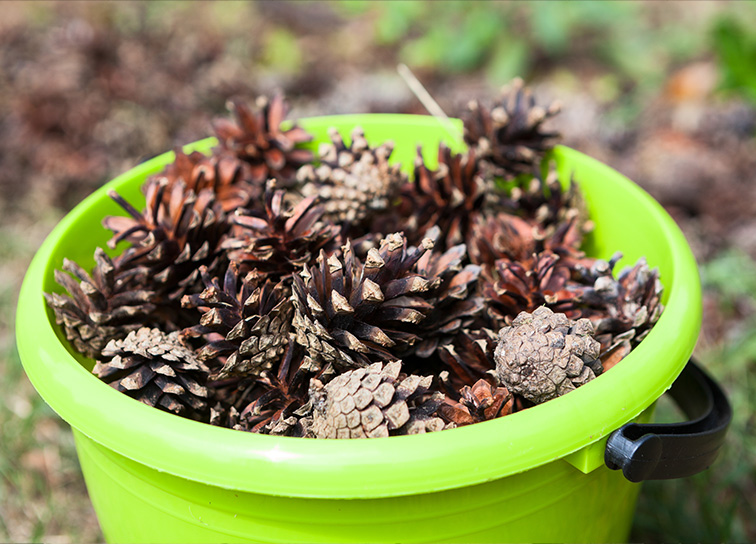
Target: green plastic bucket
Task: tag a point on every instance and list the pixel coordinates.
(537, 475)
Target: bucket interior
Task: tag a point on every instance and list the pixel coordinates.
(627, 220)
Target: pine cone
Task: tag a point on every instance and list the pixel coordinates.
(352, 182)
(277, 402)
(481, 402)
(559, 216)
(510, 137)
(283, 240)
(370, 402)
(544, 355)
(157, 369)
(221, 172)
(622, 309)
(468, 358)
(245, 322)
(516, 286)
(175, 235)
(449, 197)
(106, 305)
(351, 314)
(501, 236)
(451, 295)
(257, 139)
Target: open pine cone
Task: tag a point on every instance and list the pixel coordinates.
(452, 295)
(279, 240)
(175, 235)
(223, 173)
(449, 197)
(509, 137)
(481, 402)
(258, 139)
(623, 309)
(245, 323)
(157, 369)
(467, 359)
(277, 402)
(516, 286)
(103, 306)
(351, 314)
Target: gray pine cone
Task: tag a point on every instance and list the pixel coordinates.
(544, 355)
(373, 401)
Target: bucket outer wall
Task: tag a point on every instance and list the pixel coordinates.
(480, 478)
(551, 503)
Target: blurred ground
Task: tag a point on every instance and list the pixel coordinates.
(663, 92)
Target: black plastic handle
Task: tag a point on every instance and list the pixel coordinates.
(674, 450)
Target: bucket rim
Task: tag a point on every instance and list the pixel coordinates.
(371, 468)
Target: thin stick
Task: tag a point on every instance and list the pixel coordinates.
(427, 100)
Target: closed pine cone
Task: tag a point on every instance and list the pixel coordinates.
(544, 355)
(370, 402)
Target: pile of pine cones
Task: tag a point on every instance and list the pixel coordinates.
(271, 291)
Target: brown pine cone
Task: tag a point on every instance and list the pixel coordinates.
(537, 215)
(559, 214)
(279, 240)
(510, 136)
(468, 358)
(277, 402)
(515, 286)
(544, 355)
(452, 297)
(350, 314)
(623, 308)
(500, 236)
(106, 305)
(481, 402)
(245, 323)
(353, 182)
(157, 369)
(222, 172)
(449, 197)
(175, 235)
(258, 139)
(371, 402)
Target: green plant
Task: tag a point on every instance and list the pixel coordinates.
(504, 39)
(735, 46)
